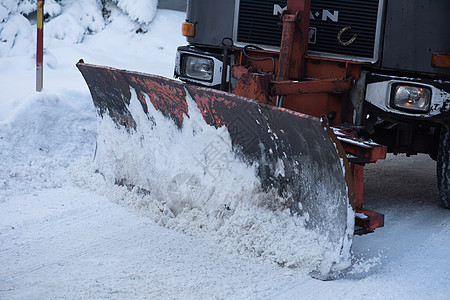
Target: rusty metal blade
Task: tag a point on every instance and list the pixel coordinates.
(312, 177)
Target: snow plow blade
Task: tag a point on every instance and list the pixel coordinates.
(293, 153)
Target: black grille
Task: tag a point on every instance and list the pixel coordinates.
(258, 25)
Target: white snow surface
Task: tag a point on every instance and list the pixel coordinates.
(206, 191)
(66, 232)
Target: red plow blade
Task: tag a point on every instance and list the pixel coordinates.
(291, 153)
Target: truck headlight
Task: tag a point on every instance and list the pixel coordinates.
(411, 98)
(196, 67)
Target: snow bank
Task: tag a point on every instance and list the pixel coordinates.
(192, 181)
(41, 136)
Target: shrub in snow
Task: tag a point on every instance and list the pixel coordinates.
(15, 30)
(77, 19)
(140, 11)
(6, 8)
(26, 6)
(52, 8)
(67, 19)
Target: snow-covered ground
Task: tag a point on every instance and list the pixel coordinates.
(65, 233)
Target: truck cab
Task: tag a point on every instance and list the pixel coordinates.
(396, 55)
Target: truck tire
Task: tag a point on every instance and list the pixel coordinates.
(443, 166)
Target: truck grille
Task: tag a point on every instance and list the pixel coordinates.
(257, 24)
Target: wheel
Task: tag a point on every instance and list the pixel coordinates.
(443, 166)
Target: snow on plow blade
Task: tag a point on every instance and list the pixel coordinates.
(292, 155)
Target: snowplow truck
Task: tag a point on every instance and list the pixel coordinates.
(379, 69)
(303, 94)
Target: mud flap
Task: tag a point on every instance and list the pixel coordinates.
(293, 153)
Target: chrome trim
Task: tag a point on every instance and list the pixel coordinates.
(236, 22)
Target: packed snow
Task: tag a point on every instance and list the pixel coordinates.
(190, 180)
(66, 232)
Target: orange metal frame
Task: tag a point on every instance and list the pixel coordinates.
(312, 85)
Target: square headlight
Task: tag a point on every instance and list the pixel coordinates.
(197, 67)
(411, 98)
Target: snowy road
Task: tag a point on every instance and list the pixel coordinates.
(83, 246)
(71, 243)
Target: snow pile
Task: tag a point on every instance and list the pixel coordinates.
(44, 134)
(210, 194)
(206, 191)
(70, 20)
(40, 136)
